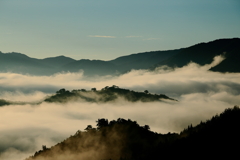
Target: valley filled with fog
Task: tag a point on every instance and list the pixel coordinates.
(119, 80)
(201, 94)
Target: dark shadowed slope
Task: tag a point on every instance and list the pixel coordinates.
(215, 138)
(204, 53)
(232, 61)
(127, 140)
(142, 60)
(58, 61)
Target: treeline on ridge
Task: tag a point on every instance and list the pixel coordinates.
(123, 139)
(106, 94)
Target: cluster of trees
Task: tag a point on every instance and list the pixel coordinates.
(103, 123)
(106, 94)
(4, 102)
(127, 140)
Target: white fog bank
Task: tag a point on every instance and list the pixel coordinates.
(201, 94)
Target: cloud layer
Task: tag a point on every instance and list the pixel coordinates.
(173, 82)
(25, 128)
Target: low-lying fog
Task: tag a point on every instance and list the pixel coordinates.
(25, 128)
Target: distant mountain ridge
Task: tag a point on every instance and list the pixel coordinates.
(202, 53)
(58, 61)
(143, 60)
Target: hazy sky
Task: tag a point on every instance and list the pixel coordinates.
(106, 29)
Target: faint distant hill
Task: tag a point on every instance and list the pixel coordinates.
(20, 63)
(123, 139)
(57, 62)
(202, 53)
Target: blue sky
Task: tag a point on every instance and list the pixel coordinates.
(107, 29)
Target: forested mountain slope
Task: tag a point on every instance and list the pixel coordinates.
(127, 140)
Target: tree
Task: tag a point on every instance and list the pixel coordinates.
(61, 91)
(74, 91)
(105, 88)
(102, 123)
(89, 127)
(114, 86)
(44, 147)
(146, 91)
(146, 127)
(94, 89)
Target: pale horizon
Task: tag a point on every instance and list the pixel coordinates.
(109, 29)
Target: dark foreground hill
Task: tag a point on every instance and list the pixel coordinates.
(202, 53)
(123, 139)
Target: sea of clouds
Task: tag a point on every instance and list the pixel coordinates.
(201, 94)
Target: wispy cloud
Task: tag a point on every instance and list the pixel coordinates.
(101, 36)
(133, 36)
(150, 39)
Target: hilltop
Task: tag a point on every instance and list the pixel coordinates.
(105, 95)
(127, 140)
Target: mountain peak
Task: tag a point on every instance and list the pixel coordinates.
(17, 54)
(201, 53)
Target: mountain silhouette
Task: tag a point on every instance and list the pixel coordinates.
(57, 62)
(123, 139)
(142, 60)
(202, 53)
(105, 95)
(19, 63)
